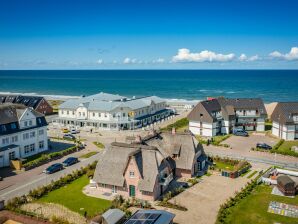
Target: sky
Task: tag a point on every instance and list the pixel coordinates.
(148, 34)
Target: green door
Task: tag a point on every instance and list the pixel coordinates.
(132, 191)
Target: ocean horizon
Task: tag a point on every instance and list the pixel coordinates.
(270, 85)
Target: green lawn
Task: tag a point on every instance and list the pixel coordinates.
(253, 209)
(224, 166)
(285, 148)
(89, 154)
(71, 196)
(99, 145)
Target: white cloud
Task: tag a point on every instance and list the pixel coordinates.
(184, 55)
(99, 61)
(243, 57)
(292, 55)
(160, 60)
(129, 61)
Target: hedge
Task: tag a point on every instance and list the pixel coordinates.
(45, 158)
(14, 203)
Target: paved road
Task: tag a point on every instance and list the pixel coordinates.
(256, 157)
(43, 179)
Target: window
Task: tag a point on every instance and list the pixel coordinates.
(106, 115)
(93, 114)
(26, 136)
(13, 126)
(5, 141)
(25, 123)
(32, 147)
(131, 174)
(67, 112)
(103, 185)
(114, 189)
(79, 113)
(123, 114)
(73, 113)
(14, 138)
(32, 134)
(2, 128)
(26, 149)
(41, 144)
(40, 132)
(30, 123)
(99, 114)
(12, 155)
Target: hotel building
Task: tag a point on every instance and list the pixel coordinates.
(112, 112)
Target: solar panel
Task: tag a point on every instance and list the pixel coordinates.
(143, 218)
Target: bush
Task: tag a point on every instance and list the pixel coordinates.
(37, 193)
(44, 158)
(178, 124)
(224, 210)
(59, 220)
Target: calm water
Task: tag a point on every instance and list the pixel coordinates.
(271, 85)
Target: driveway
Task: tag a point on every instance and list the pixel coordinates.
(241, 149)
(246, 143)
(204, 199)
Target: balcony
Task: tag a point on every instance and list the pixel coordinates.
(166, 179)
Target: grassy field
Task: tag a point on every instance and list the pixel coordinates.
(71, 196)
(285, 148)
(180, 125)
(224, 166)
(253, 209)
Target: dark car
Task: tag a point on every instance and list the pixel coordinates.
(263, 146)
(69, 136)
(53, 168)
(240, 132)
(70, 161)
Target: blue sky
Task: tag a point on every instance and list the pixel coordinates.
(170, 34)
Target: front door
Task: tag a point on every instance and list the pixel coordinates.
(132, 191)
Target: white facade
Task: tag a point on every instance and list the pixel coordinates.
(101, 113)
(248, 120)
(28, 140)
(286, 132)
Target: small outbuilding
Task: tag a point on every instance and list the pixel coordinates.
(112, 216)
(286, 185)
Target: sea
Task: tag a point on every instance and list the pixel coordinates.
(271, 85)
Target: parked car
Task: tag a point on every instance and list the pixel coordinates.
(263, 146)
(53, 168)
(70, 161)
(240, 132)
(69, 136)
(74, 131)
(65, 130)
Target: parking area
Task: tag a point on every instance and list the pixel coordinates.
(246, 143)
(204, 199)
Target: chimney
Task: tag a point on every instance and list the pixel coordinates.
(173, 131)
(138, 139)
(152, 132)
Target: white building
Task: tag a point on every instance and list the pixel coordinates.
(112, 112)
(23, 132)
(219, 116)
(285, 120)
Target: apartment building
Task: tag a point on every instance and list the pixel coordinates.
(285, 120)
(219, 116)
(23, 132)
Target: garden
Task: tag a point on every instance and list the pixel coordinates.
(64, 196)
(253, 208)
(282, 147)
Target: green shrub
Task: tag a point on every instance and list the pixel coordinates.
(178, 124)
